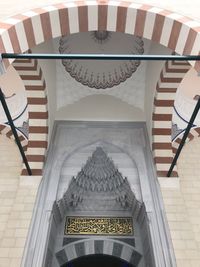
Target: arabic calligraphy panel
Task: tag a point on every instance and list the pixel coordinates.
(99, 226)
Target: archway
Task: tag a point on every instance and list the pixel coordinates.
(108, 248)
(22, 32)
(47, 236)
(98, 261)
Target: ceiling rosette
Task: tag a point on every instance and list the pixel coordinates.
(104, 73)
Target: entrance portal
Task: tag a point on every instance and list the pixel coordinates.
(98, 261)
(99, 197)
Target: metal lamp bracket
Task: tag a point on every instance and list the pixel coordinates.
(2, 67)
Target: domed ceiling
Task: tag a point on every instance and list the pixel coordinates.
(104, 73)
(124, 80)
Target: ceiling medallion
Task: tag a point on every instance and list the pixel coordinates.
(101, 36)
(101, 74)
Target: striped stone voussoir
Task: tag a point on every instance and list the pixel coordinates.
(6, 130)
(170, 78)
(32, 77)
(24, 31)
(98, 246)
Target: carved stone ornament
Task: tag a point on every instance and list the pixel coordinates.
(101, 74)
(99, 186)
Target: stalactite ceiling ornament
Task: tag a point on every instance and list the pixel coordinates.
(99, 186)
(101, 74)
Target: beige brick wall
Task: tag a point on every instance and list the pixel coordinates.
(183, 207)
(16, 205)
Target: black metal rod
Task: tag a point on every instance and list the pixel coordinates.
(190, 124)
(7, 112)
(101, 56)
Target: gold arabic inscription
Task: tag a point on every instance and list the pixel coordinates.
(99, 226)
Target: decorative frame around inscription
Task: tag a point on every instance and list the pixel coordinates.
(99, 226)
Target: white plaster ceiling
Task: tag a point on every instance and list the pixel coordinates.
(132, 91)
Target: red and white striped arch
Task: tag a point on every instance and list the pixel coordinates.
(34, 83)
(171, 76)
(22, 32)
